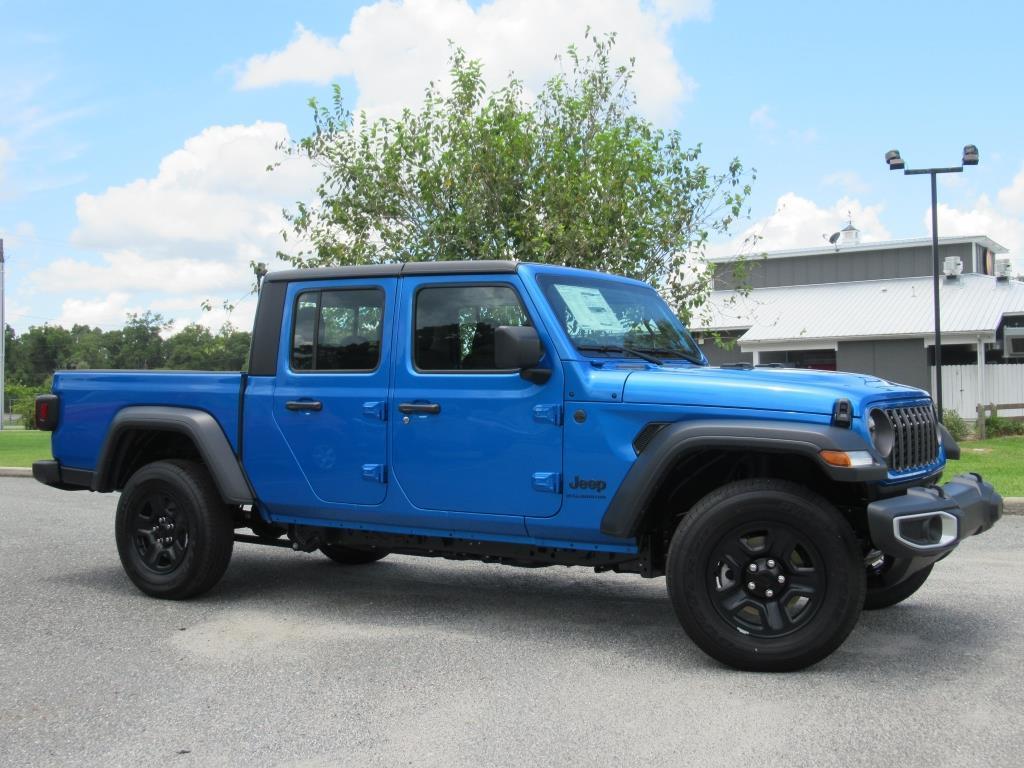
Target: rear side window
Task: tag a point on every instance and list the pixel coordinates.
(338, 330)
(455, 325)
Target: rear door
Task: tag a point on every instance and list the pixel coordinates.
(331, 396)
(467, 436)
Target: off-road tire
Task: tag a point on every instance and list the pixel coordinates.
(200, 542)
(879, 596)
(351, 555)
(714, 546)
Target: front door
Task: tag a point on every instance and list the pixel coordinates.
(331, 396)
(468, 437)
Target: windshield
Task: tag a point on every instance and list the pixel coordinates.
(605, 318)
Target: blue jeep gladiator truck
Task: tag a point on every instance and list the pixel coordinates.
(530, 415)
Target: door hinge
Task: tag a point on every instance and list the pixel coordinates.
(376, 409)
(547, 482)
(549, 413)
(377, 473)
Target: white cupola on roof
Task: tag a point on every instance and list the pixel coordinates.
(849, 235)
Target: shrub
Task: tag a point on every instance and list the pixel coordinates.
(1000, 426)
(957, 426)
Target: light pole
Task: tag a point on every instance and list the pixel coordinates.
(970, 157)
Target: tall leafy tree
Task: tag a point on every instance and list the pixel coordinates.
(575, 176)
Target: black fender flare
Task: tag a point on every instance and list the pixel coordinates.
(199, 426)
(627, 508)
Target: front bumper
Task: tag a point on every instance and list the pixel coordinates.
(929, 522)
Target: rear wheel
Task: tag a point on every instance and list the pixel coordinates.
(765, 575)
(352, 555)
(174, 533)
(882, 595)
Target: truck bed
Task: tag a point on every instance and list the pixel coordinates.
(90, 399)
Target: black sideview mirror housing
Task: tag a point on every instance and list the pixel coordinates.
(518, 347)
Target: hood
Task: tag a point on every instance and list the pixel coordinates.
(776, 389)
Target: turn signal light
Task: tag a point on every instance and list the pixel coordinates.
(847, 458)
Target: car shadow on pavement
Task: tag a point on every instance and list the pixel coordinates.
(621, 614)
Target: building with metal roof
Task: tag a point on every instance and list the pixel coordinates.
(867, 307)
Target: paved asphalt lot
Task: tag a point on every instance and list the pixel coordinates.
(294, 660)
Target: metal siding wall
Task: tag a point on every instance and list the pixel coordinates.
(842, 267)
(1004, 383)
(900, 360)
(857, 356)
(718, 356)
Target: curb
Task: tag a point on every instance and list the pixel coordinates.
(15, 472)
(1013, 505)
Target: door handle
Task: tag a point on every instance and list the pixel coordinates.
(304, 405)
(419, 407)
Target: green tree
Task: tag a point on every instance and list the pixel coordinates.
(38, 352)
(189, 348)
(140, 344)
(574, 177)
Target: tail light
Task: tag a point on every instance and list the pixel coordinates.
(47, 410)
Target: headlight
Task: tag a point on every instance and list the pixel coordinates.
(881, 432)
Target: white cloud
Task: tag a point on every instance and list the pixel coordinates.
(188, 233)
(760, 118)
(393, 48)
(106, 312)
(801, 223)
(214, 192)
(1012, 197)
(1002, 220)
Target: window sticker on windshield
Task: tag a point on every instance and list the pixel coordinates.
(590, 308)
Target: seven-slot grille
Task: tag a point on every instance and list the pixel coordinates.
(915, 441)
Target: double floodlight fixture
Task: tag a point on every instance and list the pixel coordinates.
(895, 162)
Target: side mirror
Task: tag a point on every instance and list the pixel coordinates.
(516, 347)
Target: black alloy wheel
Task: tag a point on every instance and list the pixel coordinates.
(765, 575)
(160, 530)
(766, 579)
(174, 532)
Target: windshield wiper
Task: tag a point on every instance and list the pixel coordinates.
(668, 351)
(618, 348)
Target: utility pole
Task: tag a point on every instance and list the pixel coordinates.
(3, 337)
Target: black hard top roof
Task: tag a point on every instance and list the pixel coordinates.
(394, 270)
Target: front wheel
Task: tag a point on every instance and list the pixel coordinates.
(765, 575)
(174, 533)
(881, 594)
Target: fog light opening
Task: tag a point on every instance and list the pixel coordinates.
(930, 530)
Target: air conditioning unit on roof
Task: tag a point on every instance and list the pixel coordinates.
(952, 267)
(1013, 342)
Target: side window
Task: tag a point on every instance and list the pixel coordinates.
(338, 330)
(455, 325)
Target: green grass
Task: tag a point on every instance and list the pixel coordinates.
(19, 448)
(999, 460)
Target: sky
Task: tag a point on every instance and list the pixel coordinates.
(134, 137)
